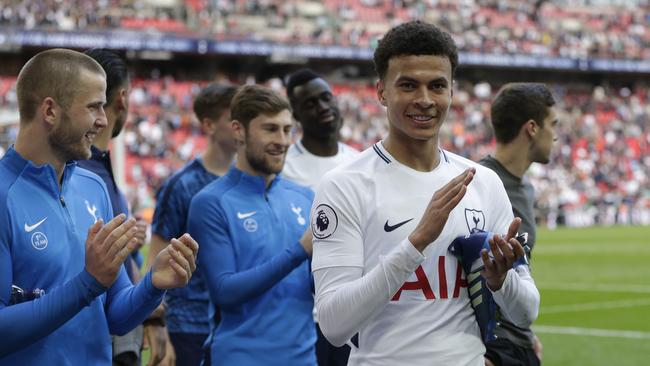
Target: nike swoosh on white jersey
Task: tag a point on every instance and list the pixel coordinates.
(245, 215)
(29, 228)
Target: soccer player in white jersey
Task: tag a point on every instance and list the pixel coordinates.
(383, 222)
(316, 109)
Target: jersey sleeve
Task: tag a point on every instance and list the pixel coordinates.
(346, 297)
(336, 225)
(25, 323)
(127, 305)
(227, 285)
(518, 298)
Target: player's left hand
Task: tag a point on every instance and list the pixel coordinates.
(505, 252)
(174, 265)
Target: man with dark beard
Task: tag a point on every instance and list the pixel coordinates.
(254, 260)
(63, 288)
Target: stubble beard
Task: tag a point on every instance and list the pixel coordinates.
(65, 144)
(259, 163)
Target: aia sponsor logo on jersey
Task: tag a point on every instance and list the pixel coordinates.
(423, 284)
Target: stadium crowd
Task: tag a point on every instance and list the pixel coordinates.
(552, 28)
(599, 174)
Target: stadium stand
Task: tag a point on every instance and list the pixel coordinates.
(573, 29)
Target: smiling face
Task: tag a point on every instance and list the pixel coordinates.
(266, 141)
(316, 108)
(72, 136)
(417, 92)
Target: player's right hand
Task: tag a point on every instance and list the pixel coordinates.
(437, 212)
(107, 246)
(306, 241)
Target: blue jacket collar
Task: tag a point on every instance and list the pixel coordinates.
(43, 175)
(255, 183)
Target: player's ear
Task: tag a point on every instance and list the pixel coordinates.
(239, 130)
(380, 92)
(208, 125)
(531, 127)
(50, 110)
(123, 99)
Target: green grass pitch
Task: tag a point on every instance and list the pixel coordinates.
(595, 288)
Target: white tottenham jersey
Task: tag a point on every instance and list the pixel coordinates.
(362, 215)
(307, 169)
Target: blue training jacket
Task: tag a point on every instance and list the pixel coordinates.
(257, 272)
(43, 230)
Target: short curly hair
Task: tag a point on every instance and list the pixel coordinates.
(414, 38)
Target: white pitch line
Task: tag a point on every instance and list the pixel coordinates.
(609, 333)
(594, 306)
(640, 289)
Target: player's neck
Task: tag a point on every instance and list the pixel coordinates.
(420, 155)
(511, 157)
(243, 165)
(321, 147)
(216, 159)
(33, 146)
